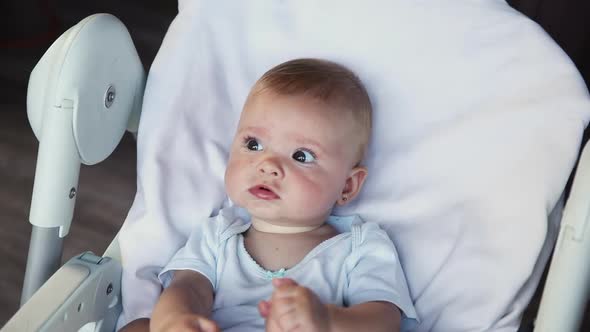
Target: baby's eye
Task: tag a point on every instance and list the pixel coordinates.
(252, 144)
(303, 156)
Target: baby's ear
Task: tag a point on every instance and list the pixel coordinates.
(353, 185)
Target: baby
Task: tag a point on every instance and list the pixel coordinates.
(278, 260)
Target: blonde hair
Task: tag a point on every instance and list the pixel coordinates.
(325, 81)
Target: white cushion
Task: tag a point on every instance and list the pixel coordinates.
(477, 125)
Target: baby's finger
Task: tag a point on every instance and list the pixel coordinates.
(295, 292)
(272, 326)
(207, 325)
(264, 308)
(288, 322)
(280, 282)
(286, 289)
(281, 307)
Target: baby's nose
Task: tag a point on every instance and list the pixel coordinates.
(271, 167)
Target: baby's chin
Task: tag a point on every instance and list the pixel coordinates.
(263, 210)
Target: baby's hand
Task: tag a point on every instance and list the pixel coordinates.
(293, 308)
(184, 322)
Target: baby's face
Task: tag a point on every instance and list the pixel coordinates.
(290, 159)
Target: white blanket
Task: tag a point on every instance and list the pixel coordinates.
(478, 120)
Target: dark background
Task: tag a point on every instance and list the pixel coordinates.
(106, 190)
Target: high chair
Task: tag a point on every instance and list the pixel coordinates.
(83, 95)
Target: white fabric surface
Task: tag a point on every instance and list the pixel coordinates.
(478, 121)
(358, 265)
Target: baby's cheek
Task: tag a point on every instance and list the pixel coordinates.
(316, 193)
(232, 176)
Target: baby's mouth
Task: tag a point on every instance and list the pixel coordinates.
(263, 192)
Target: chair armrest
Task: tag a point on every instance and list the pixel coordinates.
(566, 290)
(85, 290)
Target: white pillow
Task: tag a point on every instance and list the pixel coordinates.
(478, 120)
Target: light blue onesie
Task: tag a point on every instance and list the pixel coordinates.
(358, 265)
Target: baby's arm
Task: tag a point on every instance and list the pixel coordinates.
(296, 307)
(185, 304)
(368, 316)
